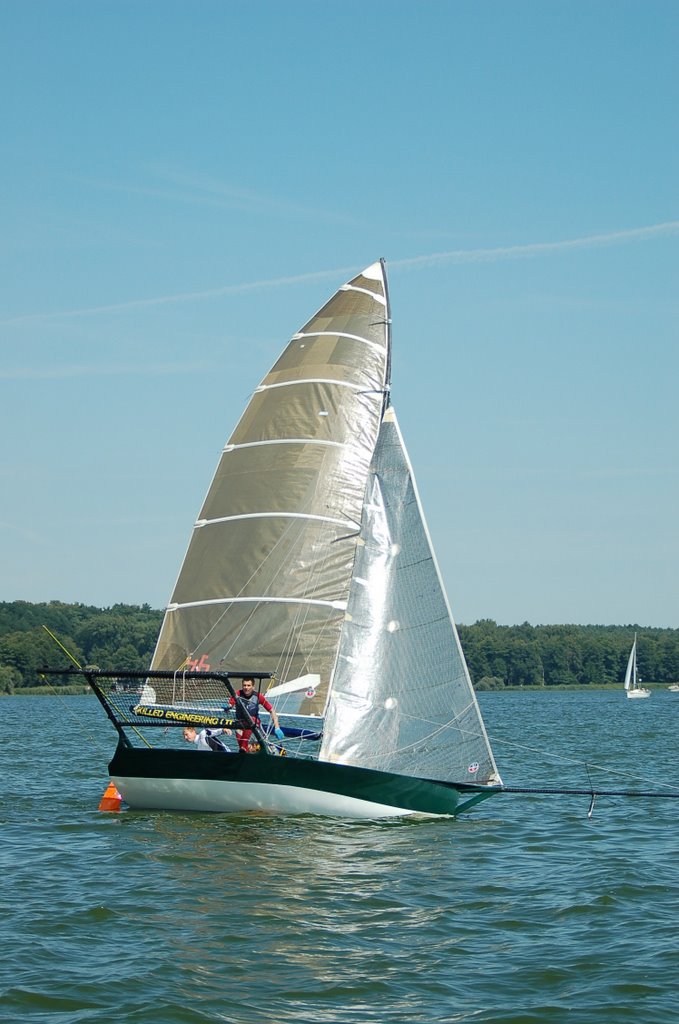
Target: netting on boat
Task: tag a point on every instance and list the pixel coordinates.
(154, 709)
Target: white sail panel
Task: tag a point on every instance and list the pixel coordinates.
(401, 698)
(266, 576)
(631, 671)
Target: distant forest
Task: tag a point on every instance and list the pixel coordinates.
(124, 636)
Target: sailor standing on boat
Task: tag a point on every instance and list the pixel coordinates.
(248, 699)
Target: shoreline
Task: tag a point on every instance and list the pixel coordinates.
(84, 691)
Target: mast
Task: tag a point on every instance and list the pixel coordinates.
(387, 382)
(634, 664)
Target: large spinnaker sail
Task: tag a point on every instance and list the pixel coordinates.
(401, 698)
(265, 579)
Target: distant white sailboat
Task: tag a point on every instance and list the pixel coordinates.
(674, 687)
(632, 681)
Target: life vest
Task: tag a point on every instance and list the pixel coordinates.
(251, 705)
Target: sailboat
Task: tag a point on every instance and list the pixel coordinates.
(632, 681)
(310, 569)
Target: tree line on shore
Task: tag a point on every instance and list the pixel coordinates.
(568, 655)
(124, 636)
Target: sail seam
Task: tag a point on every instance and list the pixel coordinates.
(284, 440)
(364, 291)
(336, 605)
(310, 380)
(271, 515)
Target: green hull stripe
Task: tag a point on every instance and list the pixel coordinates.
(411, 794)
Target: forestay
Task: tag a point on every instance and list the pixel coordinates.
(265, 579)
(401, 697)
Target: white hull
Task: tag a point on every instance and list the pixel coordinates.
(233, 797)
(638, 693)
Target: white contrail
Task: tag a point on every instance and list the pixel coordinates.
(162, 300)
(670, 227)
(21, 531)
(122, 369)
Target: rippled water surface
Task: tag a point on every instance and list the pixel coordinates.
(525, 910)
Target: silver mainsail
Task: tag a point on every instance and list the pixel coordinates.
(401, 697)
(266, 576)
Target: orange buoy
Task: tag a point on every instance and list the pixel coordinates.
(111, 800)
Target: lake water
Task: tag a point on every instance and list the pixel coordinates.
(524, 911)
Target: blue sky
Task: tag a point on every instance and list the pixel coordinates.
(185, 183)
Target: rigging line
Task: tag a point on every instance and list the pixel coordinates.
(468, 734)
(411, 746)
(293, 638)
(72, 713)
(293, 542)
(266, 590)
(291, 646)
(96, 743)
(321, 635)
(301, 529)
(293, 523)
(328, 622)
(310, 587)
(430, 736)
(124, 720)
(303, 613)
(574, 760)
(283, 536)
(451, 723)
(494, 741)
(324, 629)
(246, 584)
(546, 790)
